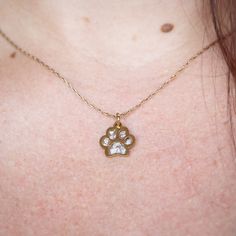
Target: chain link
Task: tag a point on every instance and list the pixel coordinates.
(84, 99)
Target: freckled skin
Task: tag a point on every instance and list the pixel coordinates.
(57, 181)
(54, 177)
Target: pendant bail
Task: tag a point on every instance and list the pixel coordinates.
(118, 123)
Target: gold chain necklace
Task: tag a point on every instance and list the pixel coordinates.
(117, 141)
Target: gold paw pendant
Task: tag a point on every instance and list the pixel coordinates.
(117, 141)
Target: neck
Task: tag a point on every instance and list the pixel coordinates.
(116, 32)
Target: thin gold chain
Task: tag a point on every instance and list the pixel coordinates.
(84, 99)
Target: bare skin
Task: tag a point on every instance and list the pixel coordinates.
(54, 177)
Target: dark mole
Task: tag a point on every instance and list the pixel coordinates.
(165, 28)
(13, 55)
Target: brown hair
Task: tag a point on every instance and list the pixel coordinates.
(223, 14)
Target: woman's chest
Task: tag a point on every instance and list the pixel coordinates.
(57, 181)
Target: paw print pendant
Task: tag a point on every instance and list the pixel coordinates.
(117, 141)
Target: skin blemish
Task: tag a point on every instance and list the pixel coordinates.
(134, 38)
(215, 163)
(167, 27)
(86, 19)
(13, 55)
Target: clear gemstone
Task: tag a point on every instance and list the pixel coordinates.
(122, 134)
(112, 133)
(117, 148)
(129, 140)
(105, 141)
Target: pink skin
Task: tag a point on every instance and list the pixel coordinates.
(54, 177)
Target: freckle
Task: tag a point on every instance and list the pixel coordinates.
(141, 177)
(86, 19)
(13, 55)
(134, 38)
(166, 28)
(215, 163)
